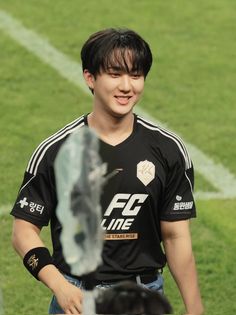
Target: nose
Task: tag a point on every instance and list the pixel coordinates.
(125, 83)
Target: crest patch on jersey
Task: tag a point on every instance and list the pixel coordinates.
(145, 172)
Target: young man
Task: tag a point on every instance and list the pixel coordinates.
(147, 202)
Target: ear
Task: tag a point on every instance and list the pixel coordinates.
(89, 79)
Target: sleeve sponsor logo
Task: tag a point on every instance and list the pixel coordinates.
(178, 206)
(178, 198)
(145, 172)
(31, 205)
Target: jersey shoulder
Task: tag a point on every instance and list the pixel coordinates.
(48, 149)
(170, 144)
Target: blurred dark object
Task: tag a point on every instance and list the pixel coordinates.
(129, 298)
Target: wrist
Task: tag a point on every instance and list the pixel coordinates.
(36, 259)
(52, 278)
(199, 310)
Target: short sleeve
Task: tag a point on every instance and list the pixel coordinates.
(178, 201)
(36, 199)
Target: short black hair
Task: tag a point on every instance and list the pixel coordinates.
(116, 48)
(129, 298)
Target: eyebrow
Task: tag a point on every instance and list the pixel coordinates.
(121, 69)
(115, 68)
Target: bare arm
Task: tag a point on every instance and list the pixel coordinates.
(26, 236)
(178, 248)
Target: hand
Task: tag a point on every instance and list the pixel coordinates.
(68, 295)
(69, 298)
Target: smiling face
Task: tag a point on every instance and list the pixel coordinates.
(115, 63)
(115, 92)
(118, 87)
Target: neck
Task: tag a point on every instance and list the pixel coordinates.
(112, 130)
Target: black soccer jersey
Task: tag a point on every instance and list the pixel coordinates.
(152, 181)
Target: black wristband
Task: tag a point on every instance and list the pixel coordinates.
(36, 259)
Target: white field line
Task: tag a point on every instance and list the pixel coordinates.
(216, 174)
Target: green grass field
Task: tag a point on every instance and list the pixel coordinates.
(191, 87)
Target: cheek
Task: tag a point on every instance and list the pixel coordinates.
(139, 87)
(106, 86)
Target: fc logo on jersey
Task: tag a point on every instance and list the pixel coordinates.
(145, 172)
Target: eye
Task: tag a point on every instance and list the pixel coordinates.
(135, 76)
(115, 75)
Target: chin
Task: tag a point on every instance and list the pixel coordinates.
(122, 110)
(121, 113)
